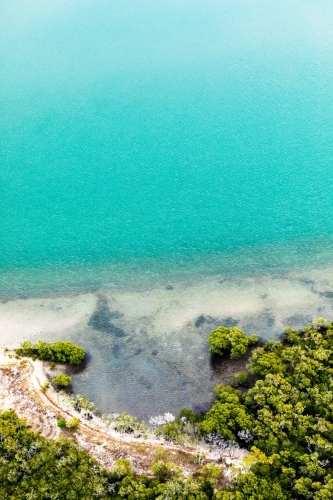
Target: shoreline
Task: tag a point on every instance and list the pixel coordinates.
(152, 343)
(21, 383)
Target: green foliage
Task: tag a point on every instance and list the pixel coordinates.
(122, 468)
(62, 380)
(128, 424)
(189, 489)
(34, 468)
(137, 488)
(183, 430)
(171, 431)
(83, 402)
(73, 423)
(61, 352)
(165, 470)
(288, 413)
(227, 415)
(61, 422)
(242, 378)
(230, 339)
(45, 386)
(190, 416)
(212, 472)
(228, 495)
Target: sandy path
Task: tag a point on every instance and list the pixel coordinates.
(20, 389)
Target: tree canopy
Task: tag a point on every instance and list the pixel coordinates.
(61, 352)
(230, 340)
(34, 468)
(62, 380)
(285, 417)
(288, 414)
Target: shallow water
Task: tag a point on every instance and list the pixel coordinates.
(146, 346)
(146, 145)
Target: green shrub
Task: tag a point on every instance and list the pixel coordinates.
(128, 424)
(230, 339)
(165, 470)
(171, 431)
(45, 386)
(212, 472)
(228, 415)
(121, 468)
(62, 380)
(61, 352)
(61, 422)
(190, 416)
(242, 378)
(82, 401)
(73, 423)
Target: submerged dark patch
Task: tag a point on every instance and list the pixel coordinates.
(328, 294)
(203, 319)
(116, 350)
(271, 321)
(100, 319)
(306, 281)
(185, 383)
(230, 321)
(297, 320)
(146, 384)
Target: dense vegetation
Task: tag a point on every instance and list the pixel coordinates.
(61, 352)
(287, 417)
(283, 413)
(230, 340)
(33, 468)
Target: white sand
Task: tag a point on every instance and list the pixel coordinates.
(30, 318)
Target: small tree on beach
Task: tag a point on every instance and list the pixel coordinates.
(73, 423)
(62, 380)
(61, 422)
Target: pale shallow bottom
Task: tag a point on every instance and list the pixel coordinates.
(147, 350)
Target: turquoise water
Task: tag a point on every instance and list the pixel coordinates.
(140, 131)
(155, 144)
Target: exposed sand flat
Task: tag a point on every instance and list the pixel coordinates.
(30, 318)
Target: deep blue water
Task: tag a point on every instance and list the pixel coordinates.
(162, 130)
